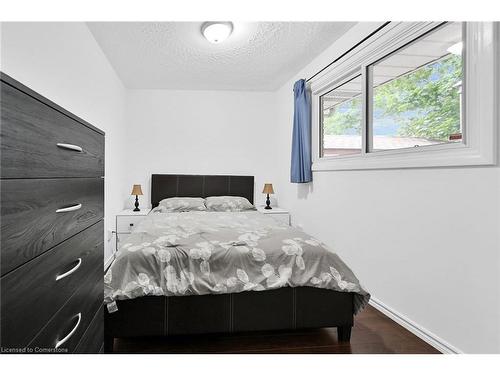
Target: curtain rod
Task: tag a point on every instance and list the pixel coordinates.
(349, 50)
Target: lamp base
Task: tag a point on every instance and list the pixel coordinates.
(136, 204)
(268, 202)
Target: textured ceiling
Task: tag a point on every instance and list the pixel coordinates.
(174, 55)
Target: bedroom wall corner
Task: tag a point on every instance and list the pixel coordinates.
(63, 62)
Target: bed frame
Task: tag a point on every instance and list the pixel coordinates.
(280, 309)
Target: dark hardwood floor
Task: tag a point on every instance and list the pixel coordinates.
(373, 333)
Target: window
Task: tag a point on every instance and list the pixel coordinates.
(342, 112)
(413, 94)
(416, 97)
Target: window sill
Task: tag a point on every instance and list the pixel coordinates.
(451, 157)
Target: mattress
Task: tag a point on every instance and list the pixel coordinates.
(197, 253)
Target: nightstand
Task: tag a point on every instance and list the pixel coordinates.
(126, 221)
(276, 213)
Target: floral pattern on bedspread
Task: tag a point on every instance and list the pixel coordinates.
(194, 253)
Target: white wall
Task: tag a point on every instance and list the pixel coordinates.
(199, 132)
(63, 62)
(425, 242)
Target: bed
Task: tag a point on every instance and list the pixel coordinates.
(180, 307)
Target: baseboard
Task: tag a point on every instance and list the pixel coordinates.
(417, 330)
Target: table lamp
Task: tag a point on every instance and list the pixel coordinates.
(268, 189)
(136, 190)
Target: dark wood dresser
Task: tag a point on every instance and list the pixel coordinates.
(52, 232)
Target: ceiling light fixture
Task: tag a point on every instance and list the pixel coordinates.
(216, 32)
(456, 49)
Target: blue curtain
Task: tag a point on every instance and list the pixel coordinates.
(301, 139)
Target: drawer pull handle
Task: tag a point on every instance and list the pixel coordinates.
(68, 146)
(70, 208)
(62, 276)
(66, 338)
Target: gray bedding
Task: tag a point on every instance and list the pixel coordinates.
(194, 253)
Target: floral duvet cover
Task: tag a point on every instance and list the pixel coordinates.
(194, 253)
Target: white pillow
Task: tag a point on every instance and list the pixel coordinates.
(228, 204)
(182, 204)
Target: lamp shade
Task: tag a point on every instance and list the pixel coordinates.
(136, 190)
(268, 189)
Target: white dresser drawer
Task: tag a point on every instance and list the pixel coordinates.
(283, 218)
(277, 213)
(125, 224)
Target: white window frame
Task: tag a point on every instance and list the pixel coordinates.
(481, 90)
(344, 80)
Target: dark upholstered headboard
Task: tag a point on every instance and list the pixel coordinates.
(184, 185)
